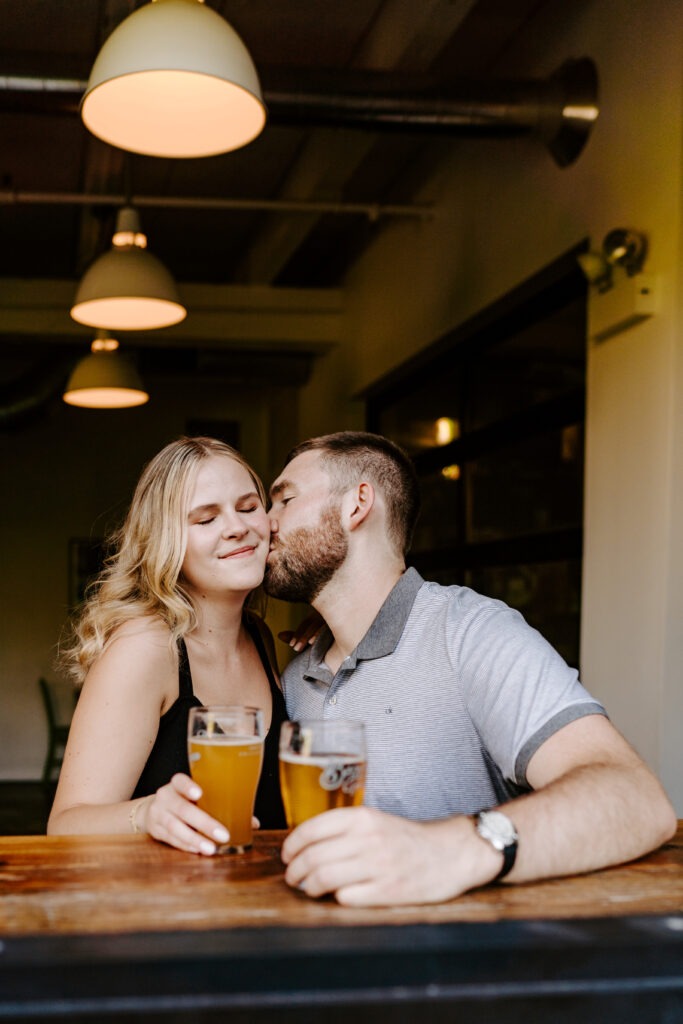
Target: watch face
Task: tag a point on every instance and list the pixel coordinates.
(497, 828)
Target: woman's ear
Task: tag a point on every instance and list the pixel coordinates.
(363, 500)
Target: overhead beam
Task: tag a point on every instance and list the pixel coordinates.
(219, 316)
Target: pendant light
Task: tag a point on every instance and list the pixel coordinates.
(105, 379)
(174, 80)
(127, 288)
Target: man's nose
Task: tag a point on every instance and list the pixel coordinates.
(274, 526)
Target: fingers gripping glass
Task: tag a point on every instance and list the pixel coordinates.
(225, 750)
(322, 766)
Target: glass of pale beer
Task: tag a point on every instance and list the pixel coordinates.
(322, 766)
(225, 750)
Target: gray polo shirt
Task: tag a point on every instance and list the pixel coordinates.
(456, 691)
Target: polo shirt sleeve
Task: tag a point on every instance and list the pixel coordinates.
(518, 690)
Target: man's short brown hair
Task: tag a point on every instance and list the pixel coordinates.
(351, 455)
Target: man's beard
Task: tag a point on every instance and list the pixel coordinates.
(307, 560)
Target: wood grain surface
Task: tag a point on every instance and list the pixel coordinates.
(113, 884)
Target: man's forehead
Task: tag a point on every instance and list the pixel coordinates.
(303, 470)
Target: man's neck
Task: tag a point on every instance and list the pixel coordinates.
(350, 602)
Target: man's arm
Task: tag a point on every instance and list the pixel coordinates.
(595, 804)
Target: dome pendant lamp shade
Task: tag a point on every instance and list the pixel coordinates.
(174, 80)
(105, 380)
(127, 288)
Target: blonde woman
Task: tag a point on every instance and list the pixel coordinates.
(165, 629)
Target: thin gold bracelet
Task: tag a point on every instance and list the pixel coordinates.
(132, 814)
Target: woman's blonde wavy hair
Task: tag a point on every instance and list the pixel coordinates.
(142, 576)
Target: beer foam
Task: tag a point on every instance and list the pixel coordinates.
(218, 740)
(321, 760)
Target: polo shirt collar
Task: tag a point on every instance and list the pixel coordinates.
(381, 638)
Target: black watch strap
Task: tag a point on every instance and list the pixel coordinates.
(509, 857)
(497, 829)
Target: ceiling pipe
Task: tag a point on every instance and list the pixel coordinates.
(373, 211)
(560, 109)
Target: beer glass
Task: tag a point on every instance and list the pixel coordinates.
(322, 766)
(225, 750)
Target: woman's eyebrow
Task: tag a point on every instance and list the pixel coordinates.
(203, 509)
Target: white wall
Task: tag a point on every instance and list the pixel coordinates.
(505, 210)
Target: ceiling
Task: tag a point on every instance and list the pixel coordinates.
(45, 151)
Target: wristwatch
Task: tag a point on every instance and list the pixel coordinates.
(498, 830)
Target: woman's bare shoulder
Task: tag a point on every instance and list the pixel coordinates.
(139, 663)
(143, 643)
(146, 629)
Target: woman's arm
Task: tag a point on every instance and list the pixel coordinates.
(112, 733)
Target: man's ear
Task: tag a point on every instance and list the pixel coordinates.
(362, 500)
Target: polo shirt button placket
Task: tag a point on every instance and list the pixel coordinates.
(332, 700)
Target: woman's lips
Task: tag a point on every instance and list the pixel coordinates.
(240, 552)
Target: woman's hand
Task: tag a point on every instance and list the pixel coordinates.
(171, 815)
(305, 633)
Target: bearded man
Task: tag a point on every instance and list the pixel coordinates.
(487, 759)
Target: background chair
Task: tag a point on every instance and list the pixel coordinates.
(59, 699)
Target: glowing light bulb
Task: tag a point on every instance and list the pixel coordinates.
(446, 430)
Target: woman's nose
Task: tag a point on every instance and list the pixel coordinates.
(234, 527)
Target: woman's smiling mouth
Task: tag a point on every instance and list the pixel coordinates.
(240, 552)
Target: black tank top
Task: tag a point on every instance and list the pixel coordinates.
(169, 753)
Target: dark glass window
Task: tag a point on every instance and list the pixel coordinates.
(540, 362)
(530, 486)
(428, 417)
(493, 417)
(438, 525)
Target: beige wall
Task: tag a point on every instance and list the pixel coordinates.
(504, 211)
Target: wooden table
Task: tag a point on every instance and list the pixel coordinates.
(98, 928)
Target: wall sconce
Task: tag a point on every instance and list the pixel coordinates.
(622, 247)
(622, 301)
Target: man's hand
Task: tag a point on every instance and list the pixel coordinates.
(305, 633)
(595, 804)
(369, 858)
